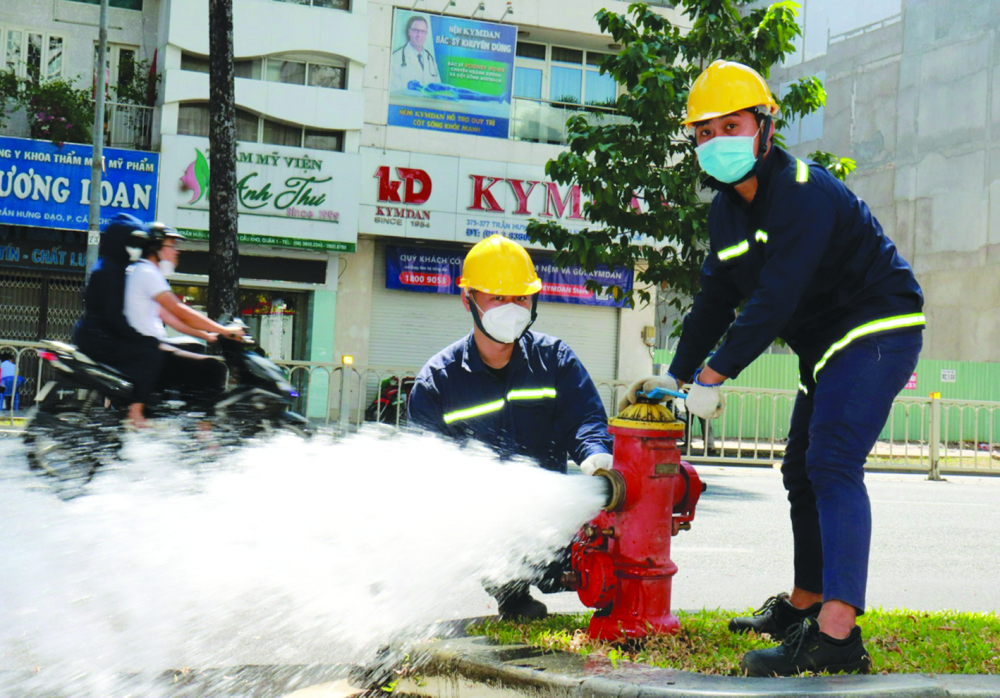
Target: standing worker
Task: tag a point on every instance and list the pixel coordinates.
(815, 269)
(523, 393)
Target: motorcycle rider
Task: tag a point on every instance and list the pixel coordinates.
(149, 303)
(103, 333)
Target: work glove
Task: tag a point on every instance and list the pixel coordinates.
(705, 401)
(644, 385)
(598, 461)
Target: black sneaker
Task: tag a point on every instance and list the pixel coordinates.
(807, 649)
(774, 618)
(521, 607)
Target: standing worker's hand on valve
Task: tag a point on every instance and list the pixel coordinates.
(598, 461)
(646, 385)
(705, 397)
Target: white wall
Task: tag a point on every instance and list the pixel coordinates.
(77, 23)
(262, 28)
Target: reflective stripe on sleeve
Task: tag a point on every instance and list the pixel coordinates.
(734, 251)
(761, 236)
(470, 412)
(803, 388)
(892, 323)
(801, 172)
(531, 393)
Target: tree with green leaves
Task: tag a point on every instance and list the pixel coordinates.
(642, 177)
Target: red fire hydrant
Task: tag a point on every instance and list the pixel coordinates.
(621, 560)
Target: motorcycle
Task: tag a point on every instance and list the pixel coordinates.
(76, 424)
(389, 406)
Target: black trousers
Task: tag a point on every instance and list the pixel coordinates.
(201, 377)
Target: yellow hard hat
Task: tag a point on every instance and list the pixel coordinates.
(726, 87)
(500, 267)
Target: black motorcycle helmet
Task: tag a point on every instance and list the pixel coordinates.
(149, 239)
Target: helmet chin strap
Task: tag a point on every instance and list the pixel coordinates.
(477, 317)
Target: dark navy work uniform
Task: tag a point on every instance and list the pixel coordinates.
(816, 270)
(542, 405)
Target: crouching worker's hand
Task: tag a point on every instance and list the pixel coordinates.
(645, 385)
(598, 461)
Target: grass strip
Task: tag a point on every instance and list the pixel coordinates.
(899, 641)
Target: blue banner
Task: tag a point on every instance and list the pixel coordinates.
(47, 186)
(451, 74)
(438, 271)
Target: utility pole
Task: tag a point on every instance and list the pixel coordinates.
(94, 223)
(223, 250)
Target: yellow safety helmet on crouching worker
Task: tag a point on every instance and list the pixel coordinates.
(500, 267)
(726, 87)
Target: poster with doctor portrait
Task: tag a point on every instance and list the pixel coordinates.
(451, 74)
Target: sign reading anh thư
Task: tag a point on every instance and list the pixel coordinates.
(287, 197)
(451, 74)
(48, 186)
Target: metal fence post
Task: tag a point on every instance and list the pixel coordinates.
(344, 399)
(935, 437)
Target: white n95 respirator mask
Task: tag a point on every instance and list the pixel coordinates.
(506, 323)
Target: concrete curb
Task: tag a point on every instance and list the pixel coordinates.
(476, 667)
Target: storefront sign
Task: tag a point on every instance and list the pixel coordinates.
(47, 186)
(451, 74)
(287, 197)
(23, 247)
(437, 197)
(438, 271)
(949, 375)
(270, 241)
(912, 383)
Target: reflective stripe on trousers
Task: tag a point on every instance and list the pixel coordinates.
(889, 323)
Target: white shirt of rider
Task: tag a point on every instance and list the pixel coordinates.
(143, 283)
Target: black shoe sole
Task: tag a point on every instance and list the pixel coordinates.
(831, 669)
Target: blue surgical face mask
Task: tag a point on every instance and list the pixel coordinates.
(727, 158)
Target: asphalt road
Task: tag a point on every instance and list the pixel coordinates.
(935, 545)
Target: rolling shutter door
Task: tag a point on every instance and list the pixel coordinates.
(408, 328)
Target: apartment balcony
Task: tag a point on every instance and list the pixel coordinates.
(542, 121)
(128, 126)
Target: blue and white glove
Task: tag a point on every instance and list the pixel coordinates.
(645, 385)
(705, 401)
(598, 461)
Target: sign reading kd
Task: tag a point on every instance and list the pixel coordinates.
(388, 190)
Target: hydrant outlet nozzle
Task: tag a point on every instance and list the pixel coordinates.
(615, 489)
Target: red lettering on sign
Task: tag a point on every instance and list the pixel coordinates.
(388, 189)
(572, 198)
(481, 193)
(517, 185)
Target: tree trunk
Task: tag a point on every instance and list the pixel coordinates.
(223, 250)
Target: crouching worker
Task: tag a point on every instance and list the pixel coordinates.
(149, 303)
(523, 393)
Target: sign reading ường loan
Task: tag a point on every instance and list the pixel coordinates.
(451, 74)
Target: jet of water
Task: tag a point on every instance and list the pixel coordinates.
(286, 553)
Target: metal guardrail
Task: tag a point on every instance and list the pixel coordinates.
(344, 397)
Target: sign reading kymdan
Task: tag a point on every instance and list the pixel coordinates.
(287, 197)
(438, 271)
(47, 186)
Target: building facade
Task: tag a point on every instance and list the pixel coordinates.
(913, 95)
(440, 174)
